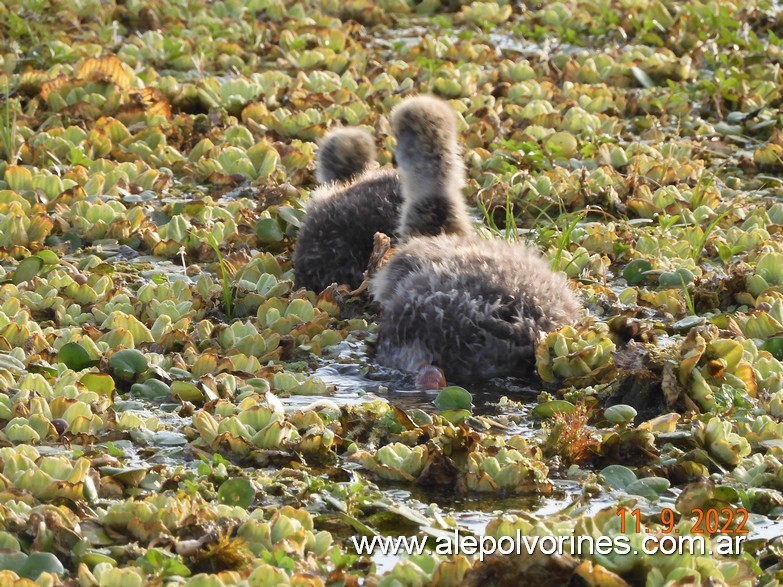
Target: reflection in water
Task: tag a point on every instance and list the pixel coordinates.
(356, 379)
(473, 512)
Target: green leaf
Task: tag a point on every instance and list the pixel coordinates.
(649, 487)
(187, 392)
(668, 279)
(553, 407)
(561, 144)
(12, 561)
(454, 398)
(675, 278)
(620, 414)
(268, 230)
(127, 364)
(685, 274)
(92, 557)
(27, 269)
(75, 356)
(238, 492)
(115, 450)
(291, 215)
(48, 257)
(100, 383)
(727, 493)
(40, 562)
(42, 369)
(634, 271)
(19, 178)
(725, 253)
(12, 364)
(265, 159)
(456, 416)
(774, 346)
(617, 476)
(163, 563)
(151, 389)
(688, 322)
(130, 477)
(69, 237)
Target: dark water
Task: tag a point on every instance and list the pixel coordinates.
(354, 379)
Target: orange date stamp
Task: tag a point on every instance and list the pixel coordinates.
(708, 521)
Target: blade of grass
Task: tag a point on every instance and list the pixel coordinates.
(688, 297)
(228, 297)
(696, 253)
(510, 231)
(8, 128)
(565, 238)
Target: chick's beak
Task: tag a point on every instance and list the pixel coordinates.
(430, 377)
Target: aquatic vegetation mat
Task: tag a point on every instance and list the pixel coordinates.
(174, 410)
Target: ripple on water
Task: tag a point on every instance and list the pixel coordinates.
(355, 379)
(473, 512)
